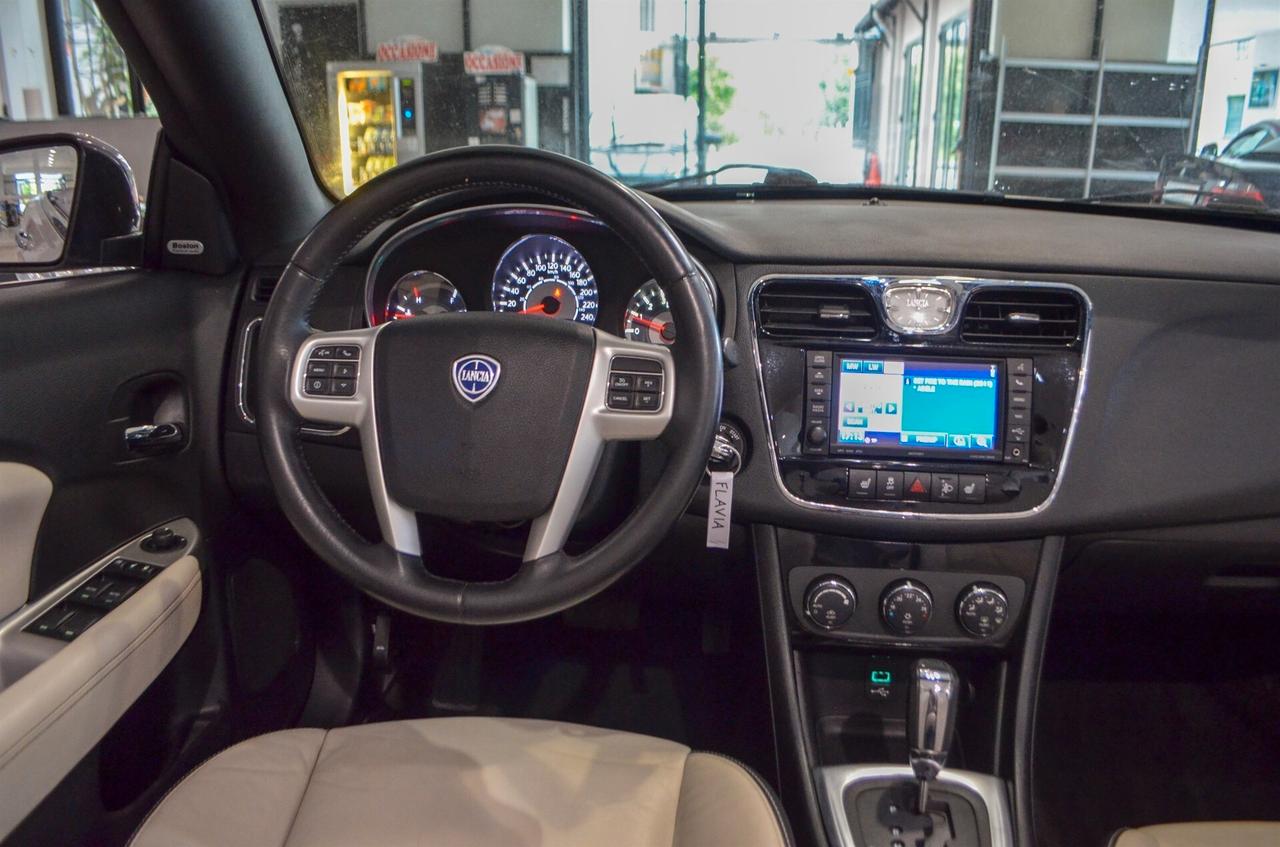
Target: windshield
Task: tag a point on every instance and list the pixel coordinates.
(1110, 101)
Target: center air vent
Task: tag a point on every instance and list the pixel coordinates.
(792, 308)
(1041, 317)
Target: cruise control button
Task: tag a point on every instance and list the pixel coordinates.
(946, 487)
(973, 489)
(648, 383)
(917, 486)
(618, 400)
(889, 485)
(862, 484)
(646, 402)
(621, 382)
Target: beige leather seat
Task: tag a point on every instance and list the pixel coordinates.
(1216, 834)
(465, 781)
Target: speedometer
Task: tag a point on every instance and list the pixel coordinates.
(546, 275)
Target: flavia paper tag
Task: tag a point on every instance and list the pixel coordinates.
(720, 510)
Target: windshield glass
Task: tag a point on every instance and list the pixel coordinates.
(1113, 101)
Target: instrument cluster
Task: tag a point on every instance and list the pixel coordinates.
(543, 262)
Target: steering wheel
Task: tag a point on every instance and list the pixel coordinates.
(441, 402)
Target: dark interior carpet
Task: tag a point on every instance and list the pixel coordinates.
(1155, 721)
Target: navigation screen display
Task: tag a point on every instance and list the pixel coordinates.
(913, 406)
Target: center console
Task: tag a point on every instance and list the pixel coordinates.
(944, 397)
(938, 399)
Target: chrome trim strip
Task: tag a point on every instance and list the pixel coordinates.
(969, 284)
(833, 782)
(242, 387)
(496, 210)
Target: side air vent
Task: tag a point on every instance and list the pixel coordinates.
(792, 308)
(1044, 317)
(264, 285)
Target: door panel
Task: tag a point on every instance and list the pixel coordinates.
(87, 359)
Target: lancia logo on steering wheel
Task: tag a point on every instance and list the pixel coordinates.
(475, 376)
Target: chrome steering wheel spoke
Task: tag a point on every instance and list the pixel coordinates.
(630, 397)
(331, 382)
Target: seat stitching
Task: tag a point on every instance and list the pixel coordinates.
(315, 766)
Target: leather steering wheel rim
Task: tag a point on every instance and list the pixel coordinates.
(552, 582)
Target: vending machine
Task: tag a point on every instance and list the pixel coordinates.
(378, 106)
(479, 98)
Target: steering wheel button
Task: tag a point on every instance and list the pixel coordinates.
(347, 353)
(342, 370)
(324, 353)
(619, 400)
(317, 386)
(646, 402)
(621, 382)
(342, 388)
(635, 364)
(649, 383)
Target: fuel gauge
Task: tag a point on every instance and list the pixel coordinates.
(422, 293)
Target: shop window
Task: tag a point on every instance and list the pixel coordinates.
(953, 43)
(1262, 89)
(1235, 114)
(910, 113)
(98, 82)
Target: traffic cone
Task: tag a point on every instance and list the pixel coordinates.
(873, 170)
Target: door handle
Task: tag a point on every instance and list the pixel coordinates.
(154, 438)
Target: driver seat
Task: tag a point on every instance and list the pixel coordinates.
(465, 781)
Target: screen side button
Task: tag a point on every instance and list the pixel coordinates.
(819, 358)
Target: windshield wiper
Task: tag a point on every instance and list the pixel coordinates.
(773, 176)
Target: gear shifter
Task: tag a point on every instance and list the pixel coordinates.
(931, 720)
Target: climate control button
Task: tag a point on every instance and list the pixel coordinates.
(982, 610)
(905, 607)
(829, 602)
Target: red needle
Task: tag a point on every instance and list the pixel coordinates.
(657, 326)
(534, 310)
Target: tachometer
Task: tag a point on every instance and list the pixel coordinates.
(546, 275)
(422, 293)
(648, 316)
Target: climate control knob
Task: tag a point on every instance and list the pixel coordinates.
(982, 610)
(829, 602)
(906, 606)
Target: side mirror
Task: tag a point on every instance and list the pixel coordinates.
(1209, 151)
(66, 201)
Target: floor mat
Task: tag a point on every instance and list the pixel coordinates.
(1155, 722)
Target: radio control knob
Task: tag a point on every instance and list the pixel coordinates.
(817, 435)
(829, 602)
(906, 606)
(982, 610)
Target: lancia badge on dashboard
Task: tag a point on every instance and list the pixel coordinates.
(476, 375)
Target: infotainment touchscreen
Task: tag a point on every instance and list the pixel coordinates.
(901, 407)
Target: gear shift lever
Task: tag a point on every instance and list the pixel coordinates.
(931, 720)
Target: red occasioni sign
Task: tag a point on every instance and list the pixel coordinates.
(408, 49)
(493, 61)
